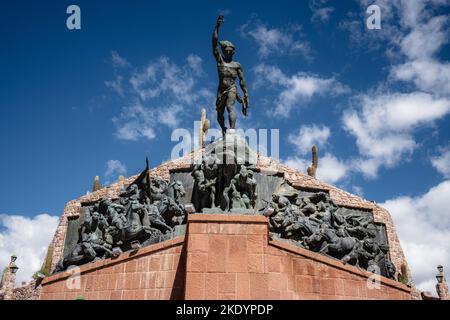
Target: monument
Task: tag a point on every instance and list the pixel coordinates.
(225, 227)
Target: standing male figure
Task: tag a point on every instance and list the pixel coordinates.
(228, 71)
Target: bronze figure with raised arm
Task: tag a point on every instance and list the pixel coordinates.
(228, 71)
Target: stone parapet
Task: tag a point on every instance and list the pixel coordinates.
(155, 272)
(231, 257)
(222, 256)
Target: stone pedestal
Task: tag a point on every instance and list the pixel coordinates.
(231, 257)
(233, 147)
(442, 290)
(8, 286)
(225, 257)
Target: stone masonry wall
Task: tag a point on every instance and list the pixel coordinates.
(27, 292)
(155, 272)
(230, 257)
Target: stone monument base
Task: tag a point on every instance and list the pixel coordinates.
(222, 256)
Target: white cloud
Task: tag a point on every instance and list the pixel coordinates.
(118, 61)
(116, 85)
(420, 46)
(320, 11)
(307, 136)
(383, 125)
(296, 90)
(298, 163)
(276, 40)
(412, 35)
(427, 75)
(442, 162)
(425, 39)
(161, 95)
(169, 115)
(195, 63)
(28, 238)
(136, 122)
(163, 77)
(330, 169)
(423, 224)
(114, 168)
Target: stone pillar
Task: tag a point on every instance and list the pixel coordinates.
(442, 286)
(10, 279)
(225, 257)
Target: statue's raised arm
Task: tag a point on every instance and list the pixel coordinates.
(246, 102)
(215, 39)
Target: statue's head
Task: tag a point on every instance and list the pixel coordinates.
(95, 216)
(340, 232)
(227, 50)
(244, 172)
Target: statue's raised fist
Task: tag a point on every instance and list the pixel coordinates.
(219, 20)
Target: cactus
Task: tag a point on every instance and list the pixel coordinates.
(97, 185)
(47, 264)
(2, 281)
(204, 126)
(403, 275)
(312, 169)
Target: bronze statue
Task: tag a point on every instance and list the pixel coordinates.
(228, 70)
(205, 177)
(242, 189)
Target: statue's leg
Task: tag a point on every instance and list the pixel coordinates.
(226, 199)
(89, 252)
(231, 98)
(352, 256)
(145, 219)
(212, 196)
(220, 108)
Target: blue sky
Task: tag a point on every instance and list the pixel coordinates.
(96, 101)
